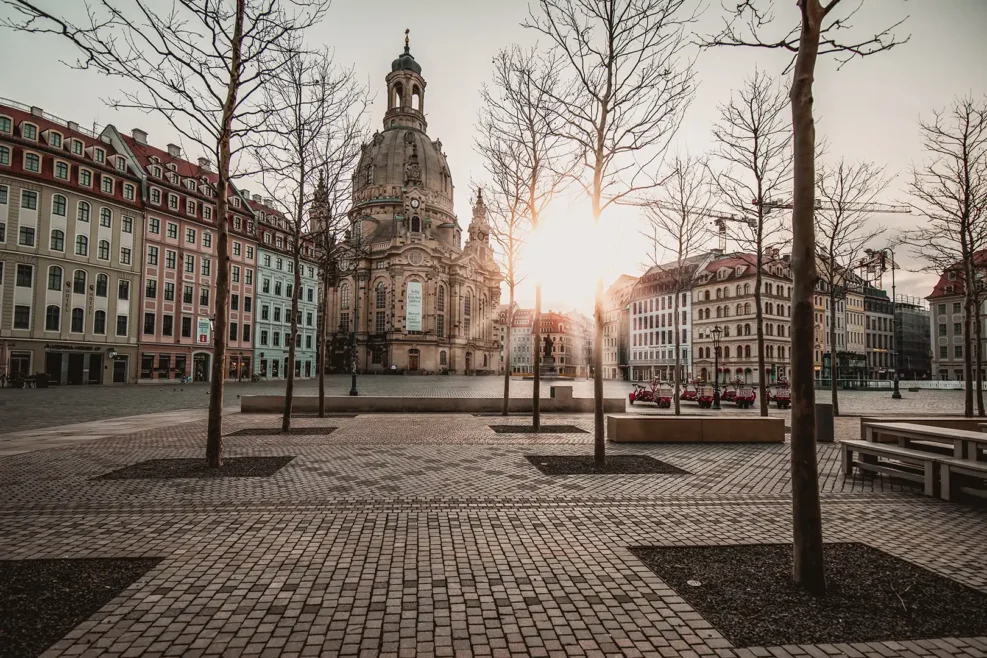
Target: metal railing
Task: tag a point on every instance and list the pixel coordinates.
(49, 117)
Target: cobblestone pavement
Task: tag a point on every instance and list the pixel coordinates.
(404, 535)
(24, 409)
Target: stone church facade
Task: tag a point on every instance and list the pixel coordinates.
(420, 300)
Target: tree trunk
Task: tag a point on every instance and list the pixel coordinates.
(289, 388)
(507, 351)
(214, 431)
(677, 382)
(535, 362)
(806, 515)
(834, 361)
(968, 352)
(759, 320)
(978, 334)
(325, 345)
(599, 443)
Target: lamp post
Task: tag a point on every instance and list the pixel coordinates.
(716, 332)
(354, 236)
(882, 254)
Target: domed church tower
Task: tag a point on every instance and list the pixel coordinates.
(420, 302)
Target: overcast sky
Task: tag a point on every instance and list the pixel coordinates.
(867, 111)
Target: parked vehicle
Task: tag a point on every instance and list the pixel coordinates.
(663, 397)
(782, 395)
(744, 397)
(640, 394)
(689, 392)
(704, 396)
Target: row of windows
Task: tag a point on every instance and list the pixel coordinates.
(29, 131)
(742, 352)
(289, 290)
(273, 339)
(265, 314)
(24, 278)
(53, 320)
(61, 170)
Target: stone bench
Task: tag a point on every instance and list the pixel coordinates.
(951, 485)
(914, 465)
(627, 428)
(952, 422)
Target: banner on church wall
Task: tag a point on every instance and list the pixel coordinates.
(413, 319)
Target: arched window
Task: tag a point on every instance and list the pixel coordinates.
(747, 330)
(82, 246)
(105, 217)
(416, 224)
(719, 293)
(747, 351)
(740, 309)
(57, 240)
(104, 250)
(726, 351)
(738, 290)
(344, 296)
(79, 282)
(381, 292)
(78, 321)
(54, 278)
(747, 288)
(781, 330)
(443, 358)
(726, 331)
(416, 98)
(53, 318)
(99, 323)
(82, 214)
(781, 351)
(705, 295)
(440, 300)
(719, 312)
(397, 96)
(370, 174)
(726, 311)
(769, 308)
(740, 330)
(747, 308)
(726, 292)
(58, 205)
(467, 305)
(767, 287)
(102, 283)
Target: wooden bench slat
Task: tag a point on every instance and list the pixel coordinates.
(928, 430)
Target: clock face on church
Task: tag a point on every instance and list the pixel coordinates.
(415, 203)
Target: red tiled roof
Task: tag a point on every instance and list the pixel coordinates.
(957, 284)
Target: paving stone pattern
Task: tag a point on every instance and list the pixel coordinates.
(405, 535)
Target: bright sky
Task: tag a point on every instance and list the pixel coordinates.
(867, 111)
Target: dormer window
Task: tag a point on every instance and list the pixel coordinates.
(156, 171)
(85, 177)
(236, 202)
(190, 206)
(55, 139)
(950, 289)
(77, 147)
(99, 155)
(172, 178)
(236, 223)
(32, 162)
(740, 270)
(29, 131)
(5, 125)
(128, 192)
(121, 163)
(61, 170)
(190, 184)
(107, 184)
(172, 166)
(952, 276)
(173, 201)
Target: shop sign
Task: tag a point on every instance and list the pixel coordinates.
(413, 318)
(202, 332)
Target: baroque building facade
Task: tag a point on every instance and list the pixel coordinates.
(416, 298)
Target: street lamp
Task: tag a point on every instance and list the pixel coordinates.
(354, 236)
(882, 254)
(716, 331)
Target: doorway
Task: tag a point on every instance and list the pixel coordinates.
(76, 366)
(120, 370)
(200, 367)
(469, 361)
(95, 369)
(275, 363)
(413, 359)
(53, 366)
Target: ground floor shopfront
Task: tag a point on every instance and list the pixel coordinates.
(161, 364)
(69, 364)
(273, 364)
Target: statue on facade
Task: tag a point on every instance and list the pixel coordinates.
(549, 344)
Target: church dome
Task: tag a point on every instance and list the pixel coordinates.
(403, 157)
(406, 62)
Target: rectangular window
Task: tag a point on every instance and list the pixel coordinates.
(123, 290)
(173, 202)
(171, 259)
(308, 342)
(154, 226)
(207, 213)
(25, 276)
(249, 279)
(125, 256)
(958, 351)
(127, 224)
(190, 235)
(234, 331)
(380, 323)
(167, 322)
(128, 192)
(265, 312)
(250, 253)
(942, 329)
(29, 200)
(5, 125)
(121, 325)
(277, 314)
(190, 263)
(4, 156)
(206, 266)
(248, 303)
(440, 326)
(25, 236)
(22, 317)
(957, 328)
(85, 178)
(236, 248)
(956, 307)
(263, 337)
(172, 230)
(155, 196)
(169, 291)
(206, 240)
(204, 297)
(152, 255)
(186, 327)
(236, 274)
(187, 294)
(151, 289)
(277, 338)
(190, 206)
(32, 162)
(246, 333)
(308, 319)
(235, 302)
(148, 324)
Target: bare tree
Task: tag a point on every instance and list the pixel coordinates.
(521, 119)
(845, 194)
(199, 64)
(950, 192)
(305, 103)
(629, 83)
(679, 224)
(819, 29)
(754, 150)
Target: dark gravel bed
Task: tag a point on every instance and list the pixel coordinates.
(615, 465)
(42, 600)
(544, 429)
(169, 469)
(276, 431)
(747, 594)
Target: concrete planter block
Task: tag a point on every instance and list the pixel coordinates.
(624, 428)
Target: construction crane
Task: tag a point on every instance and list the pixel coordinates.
(876, 208)
(720, 219)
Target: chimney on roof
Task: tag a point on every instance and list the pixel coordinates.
(204, 164)
(269, 203)
(245, 193)
(139, 136)
(716, 253)
(37, 111)
(72, 125)
(255, 197)
(786, 258)
(174, 151)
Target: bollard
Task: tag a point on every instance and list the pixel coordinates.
(824, 422)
